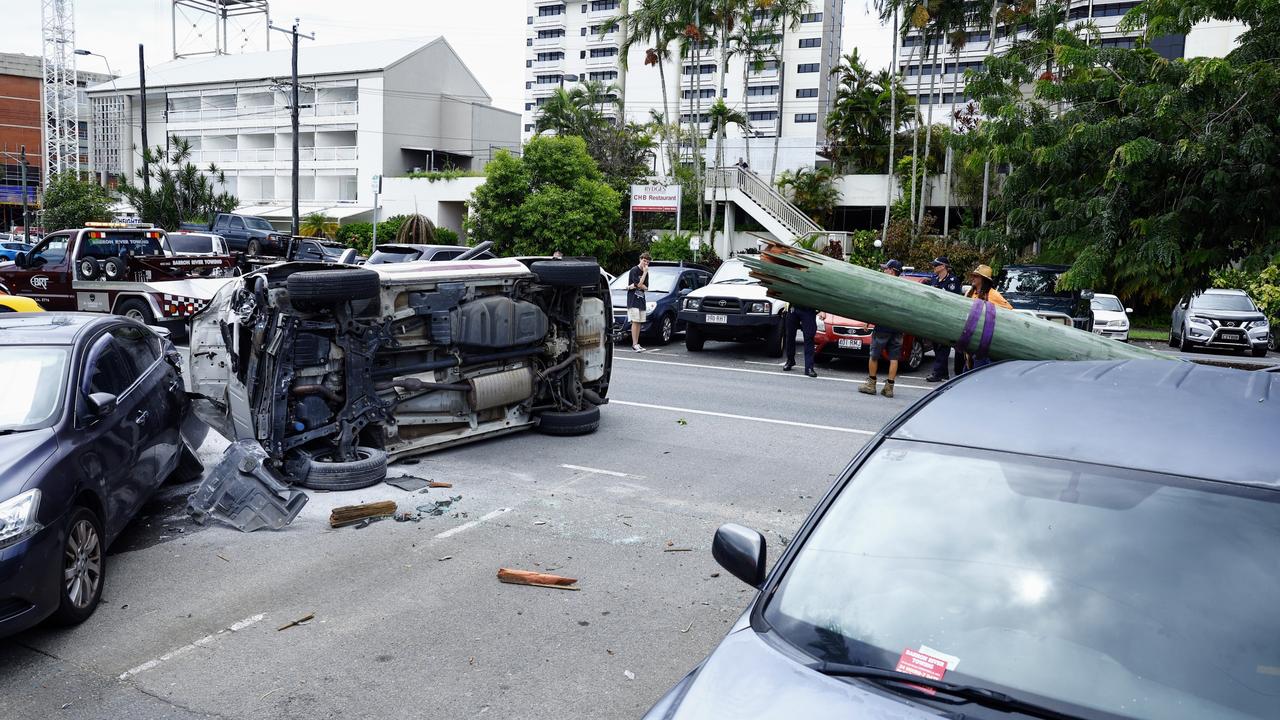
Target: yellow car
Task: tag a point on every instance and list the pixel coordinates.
(17, 303)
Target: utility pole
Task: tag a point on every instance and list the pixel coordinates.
(293, 114)
(142, 88)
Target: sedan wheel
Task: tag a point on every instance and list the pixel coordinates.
(666, 330)
(83, 569)
(916, 358)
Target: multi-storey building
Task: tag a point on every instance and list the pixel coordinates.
(565, 45)
(380, 108)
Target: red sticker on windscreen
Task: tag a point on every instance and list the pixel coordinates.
(922, 665)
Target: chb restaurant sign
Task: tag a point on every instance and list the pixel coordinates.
(655, 198)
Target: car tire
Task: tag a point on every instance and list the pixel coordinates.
(315, 289)
(693, 338)
(136, 309)
(1183, 344)
(1173, 343)
(114, 268)
(253, 249)
(566, 273)
(666, 330)
(776, 338)
(1260, 351)
(916, 358)
(89, 269)
(368, 469)
(84, 557)
(569, 424)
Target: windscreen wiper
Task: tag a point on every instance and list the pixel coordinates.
(962, 693)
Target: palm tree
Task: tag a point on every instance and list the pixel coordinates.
(947, 21)
(813, 191)
(864, 115)
(317, 224)
(750, 43)
(787, 13)
(651, 22)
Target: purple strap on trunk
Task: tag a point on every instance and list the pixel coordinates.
(988, 329)
(971, 324)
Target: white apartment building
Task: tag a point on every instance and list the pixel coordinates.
(564, 46)
(1213, 39)
(378, 108)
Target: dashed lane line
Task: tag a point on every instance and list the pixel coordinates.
(731, 416)
(898, 384)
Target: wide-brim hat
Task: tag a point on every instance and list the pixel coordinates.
(982, 271)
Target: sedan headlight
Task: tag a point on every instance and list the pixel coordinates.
(18, 518)
(820, 325)
(761, 307)
(692, 303)
(650, 306)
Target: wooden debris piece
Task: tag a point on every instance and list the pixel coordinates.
(438, 484)
(304, 619)
(348, 514)
(537, 579)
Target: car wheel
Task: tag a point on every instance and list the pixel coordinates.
(83, 568)
(316, 289)
(135, 309)
(1260, 351)
(666, 330)
(113, 268)
(254, 248)
(1183, 343)
(1173, 343)
(693, 338)
(324, 472)
(567, 424)
(775, 339)
(916, 358)
(566, 273)
(89, 269)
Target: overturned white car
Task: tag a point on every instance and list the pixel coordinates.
(334, 369)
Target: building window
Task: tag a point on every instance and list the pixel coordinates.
(545, 34)
(807, 68)
(598, 5)
(765, 40)
(550, 79)
(528, 127)
(807, 92)
(762, 90)
(549, 10)
(764, 67)
(528, 85)
(705, 93)
(604, 52)
(603, 75)
(528, 106)
(584, 32)
(810, 42)
(554, 55)
(1170, 47)
(528, 63)
(1122, 42)
(688, 117)
(584, 7)
(530, 18)
(528, 42)
(806, 117)
(762, 115)
(811, 17)
(705, 69)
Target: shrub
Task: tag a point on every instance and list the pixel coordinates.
(672, 246)
(445, 236)
(1263, 287)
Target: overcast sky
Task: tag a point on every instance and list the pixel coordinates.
(488, 34)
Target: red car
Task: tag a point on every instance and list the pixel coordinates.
(842, 337)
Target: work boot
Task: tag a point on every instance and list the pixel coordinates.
(868, 387)
(888, 389)
(936, 378)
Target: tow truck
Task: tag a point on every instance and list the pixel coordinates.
(116, 268)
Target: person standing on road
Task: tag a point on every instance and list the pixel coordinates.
(637, 284)
(982, 287)
(886, 340)
(806, 320)
(943, 279)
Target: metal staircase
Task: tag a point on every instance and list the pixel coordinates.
(769, 207)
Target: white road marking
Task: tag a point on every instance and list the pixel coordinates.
(757, 362)
(898, 384)
(467, 526)
(598, 471)
(202, 642)
(731, 416)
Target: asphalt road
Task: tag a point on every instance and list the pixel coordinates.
(409, 618)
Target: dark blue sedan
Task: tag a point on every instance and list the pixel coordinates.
(89, 428)
(1025, 564)
(669, 282)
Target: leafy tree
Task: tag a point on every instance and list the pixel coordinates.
(860, 121)
(813, 191)
(552, 198)
(179, 191)
(1263, 287)
(317, 224)
(70, 202)
(445, 236)
(1146, 174)
(672, 246)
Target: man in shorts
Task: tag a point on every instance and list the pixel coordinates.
(637, 284)
(884, 340)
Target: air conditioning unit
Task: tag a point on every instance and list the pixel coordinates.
(417, 170)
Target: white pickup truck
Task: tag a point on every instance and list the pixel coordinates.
(735, 307)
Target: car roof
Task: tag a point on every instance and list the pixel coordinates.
(1222, 291)
(48, 328)
(1055, 409)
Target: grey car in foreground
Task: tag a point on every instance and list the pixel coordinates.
(1025, 565)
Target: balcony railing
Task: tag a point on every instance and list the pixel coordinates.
(305, 154)
(551, 42)
(343, 108)
(548, 64)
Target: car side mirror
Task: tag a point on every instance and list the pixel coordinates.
(20, 259)
(1129, 310)
(101, 405)
(741, 551)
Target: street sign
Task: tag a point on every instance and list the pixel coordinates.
(695, 242)
(377, 184)
(655, 198)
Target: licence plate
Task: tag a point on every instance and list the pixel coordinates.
(849, 344)
(1232, 337)
(722, 319)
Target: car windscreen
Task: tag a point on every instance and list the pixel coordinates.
(1108, 304)
(732, 272)
(1098, 591)
(35, 376)
(191, 243)
(254, 223)
(661, 279)
(394, 255)
(332, 251)
(1225, 302)
(1028, 281)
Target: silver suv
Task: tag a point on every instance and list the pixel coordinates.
(1220, 320)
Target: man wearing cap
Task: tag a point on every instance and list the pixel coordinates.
(946, 280)
(982, 287)
(884, 339)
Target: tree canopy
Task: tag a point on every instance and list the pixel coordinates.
(70, 202)
(179, 191)
(860, 122)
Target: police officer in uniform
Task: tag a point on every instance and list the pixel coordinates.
(806, 321)
(946, 280)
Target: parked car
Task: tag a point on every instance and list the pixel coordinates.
(1110, 317)
(1027, 568)
(246, 234)
(733, 306)
(1035, 288)
(90, 427)
(409, 252)
(17, 303)
(9, 249)
(839, 336)
(669, 284)
(1219, 320)
(187, 242)
(309, 249)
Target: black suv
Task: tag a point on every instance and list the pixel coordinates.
(1035, 288)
